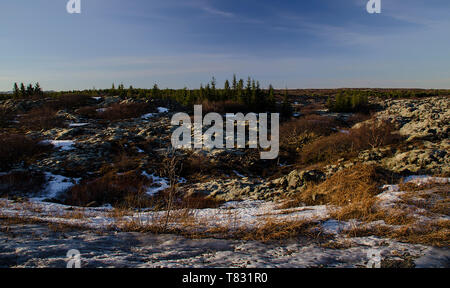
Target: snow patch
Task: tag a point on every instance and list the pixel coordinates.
(56, 184)
(148, 115)
(163, 110)
(78, 124)
(161, 184)
(425, 179)
(63, 145)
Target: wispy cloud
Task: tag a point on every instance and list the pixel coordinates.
(215, 11)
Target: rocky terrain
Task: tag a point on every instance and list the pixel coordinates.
(100, 156)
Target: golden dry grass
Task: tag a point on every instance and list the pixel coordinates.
(358, 184)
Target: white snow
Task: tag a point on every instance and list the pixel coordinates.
(63, 145)
(238, 174)
(425, 179)
(78, 124)
(148, 115)
(56, 184)
(161, 184)
(162, 110)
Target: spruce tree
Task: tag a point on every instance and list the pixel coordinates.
(271, 99)
(16, 91)
(30, 90)
(23, 92)
(235, 87)
(226, 88)
(38, 89)
(286, 108)
(155, 91)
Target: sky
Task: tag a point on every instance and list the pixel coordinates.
(183, 43)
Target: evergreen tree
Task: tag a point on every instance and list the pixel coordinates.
(30, 90)
(201, 93)
(271, 98)
(235, 87)
(240, 93)
(253, 94)
(286, 108)
(248, 91)
(38, 90)
(155, 91)
(23, 92)
(16, 91)
(213, 89)
(227, 92)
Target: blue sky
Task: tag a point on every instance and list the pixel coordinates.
(298, 44)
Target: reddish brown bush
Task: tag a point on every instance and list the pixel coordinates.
(371, 135)
(6, 116)
(196, 164)
(21, 183)
(295, 134)
(120, 190)
(87, 112)
(41, 118)
(69, 101)
(223, 107)
(124, 111)
(17, 148)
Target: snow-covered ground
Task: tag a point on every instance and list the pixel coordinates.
(125, 249)
(34, 245)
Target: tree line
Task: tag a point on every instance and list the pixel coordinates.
(28, 91)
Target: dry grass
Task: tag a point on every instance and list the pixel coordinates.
(342, 145)
(357, 184)
(434, 233)
(268, 230)
(271, 229)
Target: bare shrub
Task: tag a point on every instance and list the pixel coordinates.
(372, 135)
(124, 111)
(17, 148)
(21, 183)
(120, 190)
(41, 118)
(70, 101)
(196, 164)
(327, 148)
(6, 116)
(87, 112)
(222, 107)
